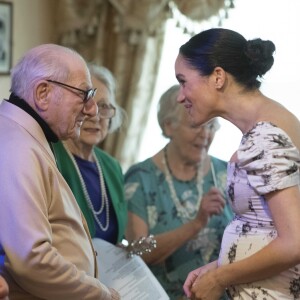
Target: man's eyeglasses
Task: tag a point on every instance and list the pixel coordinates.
(106, 111)
(87, 95)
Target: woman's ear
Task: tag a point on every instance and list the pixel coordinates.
(219, 77)
(42, 95)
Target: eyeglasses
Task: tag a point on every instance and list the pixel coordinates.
(106, 111)
(210, 126)
(87, 95)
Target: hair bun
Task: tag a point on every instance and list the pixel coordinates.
(260, 55)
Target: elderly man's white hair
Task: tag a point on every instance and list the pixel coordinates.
(47, 61)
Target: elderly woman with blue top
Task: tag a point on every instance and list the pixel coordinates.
(94, 176)
(178, 196)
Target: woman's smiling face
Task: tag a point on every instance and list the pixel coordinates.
(195, 91)
(95, 129)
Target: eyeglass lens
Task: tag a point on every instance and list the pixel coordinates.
(106, 111)
(87, 95)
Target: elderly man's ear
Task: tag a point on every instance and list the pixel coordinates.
(42, 95)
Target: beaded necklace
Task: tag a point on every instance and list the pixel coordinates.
(184, 212)
(104, 197)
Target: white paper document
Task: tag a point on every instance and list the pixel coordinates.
(131, 277)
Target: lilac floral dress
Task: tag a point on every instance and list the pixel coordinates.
(267, 161)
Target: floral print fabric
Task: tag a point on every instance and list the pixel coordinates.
(267, 161)
(148, 195)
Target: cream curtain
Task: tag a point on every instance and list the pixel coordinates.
(126, 36)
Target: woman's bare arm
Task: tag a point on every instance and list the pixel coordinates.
(281, 254)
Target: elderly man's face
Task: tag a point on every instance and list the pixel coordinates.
(68, 112)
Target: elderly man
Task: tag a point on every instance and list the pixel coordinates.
(45, 247)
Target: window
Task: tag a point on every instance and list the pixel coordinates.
(250, 18)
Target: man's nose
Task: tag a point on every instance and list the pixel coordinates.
(90, 108)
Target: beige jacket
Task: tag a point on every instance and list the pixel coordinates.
(45, 252)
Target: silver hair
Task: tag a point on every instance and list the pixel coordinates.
(169, 110)
(106, 77)
(46, 61)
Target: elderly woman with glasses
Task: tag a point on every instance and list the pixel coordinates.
(178, 195)
(95, 177)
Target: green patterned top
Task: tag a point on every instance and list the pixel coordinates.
(148, 196)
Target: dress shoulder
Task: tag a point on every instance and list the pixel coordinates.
(269, 157)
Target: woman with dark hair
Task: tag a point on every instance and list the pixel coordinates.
(220, 74)
(178, 195)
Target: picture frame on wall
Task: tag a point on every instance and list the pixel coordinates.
(5, 37)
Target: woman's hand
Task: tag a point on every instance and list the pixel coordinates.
(212, 203)
(192, 277)
(207, 287)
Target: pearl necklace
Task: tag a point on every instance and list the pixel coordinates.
(183, 212)
(104, 197)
